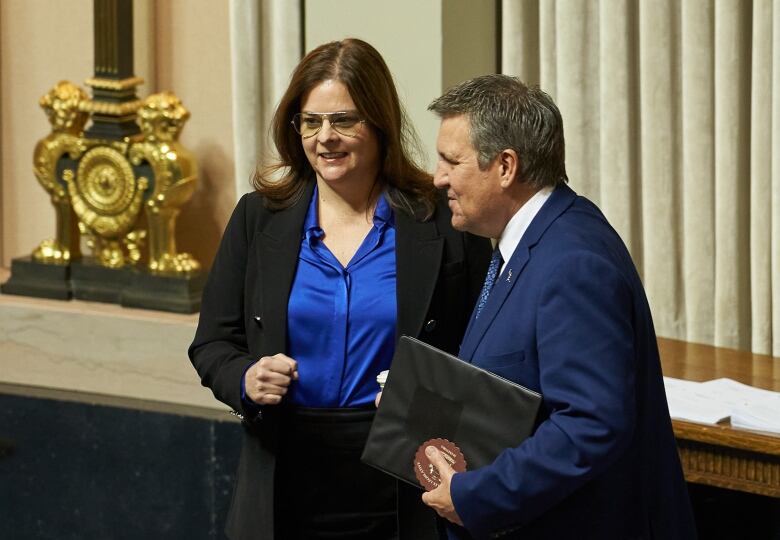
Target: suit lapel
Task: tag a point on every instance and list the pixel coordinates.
(418, 252)
(278, 245)
(559, 201)
(501, 289)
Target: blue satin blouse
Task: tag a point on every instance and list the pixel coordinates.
(341, 320)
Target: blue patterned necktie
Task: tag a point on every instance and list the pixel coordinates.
(490, 279)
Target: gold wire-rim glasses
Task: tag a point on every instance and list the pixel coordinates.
(308, 124)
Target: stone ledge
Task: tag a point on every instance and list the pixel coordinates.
(99, 349)
(102, 400)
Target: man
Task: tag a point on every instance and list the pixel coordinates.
(566, 316)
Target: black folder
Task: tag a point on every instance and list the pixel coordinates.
(430, 394)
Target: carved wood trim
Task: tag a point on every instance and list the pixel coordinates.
(730, 468)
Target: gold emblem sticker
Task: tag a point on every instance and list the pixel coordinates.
(427, 474)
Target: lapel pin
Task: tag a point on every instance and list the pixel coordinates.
(509, 276)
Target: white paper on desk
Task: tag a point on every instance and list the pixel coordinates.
(750, 407)
(689, 400)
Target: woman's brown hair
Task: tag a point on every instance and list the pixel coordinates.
(358, 66)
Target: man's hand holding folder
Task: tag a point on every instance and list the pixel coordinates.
(433, 396)
(439, 499)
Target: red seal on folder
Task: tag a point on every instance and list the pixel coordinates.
(427, 474)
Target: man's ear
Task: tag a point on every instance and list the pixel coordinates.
(508, 167)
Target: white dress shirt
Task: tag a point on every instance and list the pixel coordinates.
(515, 229)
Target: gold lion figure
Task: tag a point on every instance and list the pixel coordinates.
(62, 107)
(161, 119)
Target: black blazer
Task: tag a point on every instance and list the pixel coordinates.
(243, 317)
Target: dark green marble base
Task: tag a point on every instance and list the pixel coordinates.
(86, 280)
(97, 283)
(180, 294)
(30, 278)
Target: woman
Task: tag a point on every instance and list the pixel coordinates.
(316, 276)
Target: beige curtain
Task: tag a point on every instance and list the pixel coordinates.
(672, 112)
(265, 43)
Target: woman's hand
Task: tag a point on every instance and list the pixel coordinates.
(268, 378)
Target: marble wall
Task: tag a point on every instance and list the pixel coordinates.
(75, 470)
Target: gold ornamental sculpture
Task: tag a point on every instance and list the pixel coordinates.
(117, 187)
(108, 198)
(61, 105)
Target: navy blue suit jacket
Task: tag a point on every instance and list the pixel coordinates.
(568, 317)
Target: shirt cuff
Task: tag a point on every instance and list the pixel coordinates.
(251, 409)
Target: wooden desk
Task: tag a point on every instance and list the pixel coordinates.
(721, 455)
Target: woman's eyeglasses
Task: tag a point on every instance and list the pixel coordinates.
(308, 124)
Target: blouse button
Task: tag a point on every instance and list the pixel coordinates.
(430, 326)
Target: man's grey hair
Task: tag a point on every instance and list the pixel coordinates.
(503, 114)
